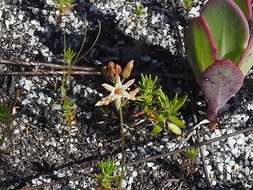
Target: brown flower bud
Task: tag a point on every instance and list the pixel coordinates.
(128, 69)
(117, 69)
(109, 70)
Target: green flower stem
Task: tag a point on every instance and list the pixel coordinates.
(122, 143)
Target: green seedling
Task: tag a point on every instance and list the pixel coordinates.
(64, 5)
(188, 4)
(5, 119)
(162, 111)
(106, 177)
(69, 111)
(148, 89)
(68, 106)
(5, 113)
(139, 9)
(192, 153)
(70, 58)
(219, 48)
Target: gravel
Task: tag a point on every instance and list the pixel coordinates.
(42, 149)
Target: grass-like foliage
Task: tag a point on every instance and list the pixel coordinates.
(69, 111)
(5, 119)
(106, 177)
(139, 10)
(68, 55)
(148, 89)
(188, 4)
(162, 111)
(64, 5)
(192, 153)
(5, 113)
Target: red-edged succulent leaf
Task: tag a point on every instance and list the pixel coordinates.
(200, 48)
(228, 26)
(246, 61)
(245, 6)
(220, 82)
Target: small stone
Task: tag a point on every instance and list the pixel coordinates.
(27, 85)
(145, 58)
(247, 171)
(229, 169)
(150, 164)
(209, 168)
(240, 141)
(20, 17)
(119, 156)
(130, 180)
(134, 174)
(50, 2)
(35, 22)
(228, 177)
(123, 184)
(231, 163)
(16, 131)
(231, 142)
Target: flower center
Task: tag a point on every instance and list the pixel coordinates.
(118, 91)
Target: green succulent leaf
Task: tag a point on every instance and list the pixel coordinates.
(177, 122)
(200, 47)
(245, 6)
(174, 129)
(156, 130)
(246, 61)
(228, 27)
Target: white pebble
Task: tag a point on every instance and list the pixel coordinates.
(134, 174)
(150, 164)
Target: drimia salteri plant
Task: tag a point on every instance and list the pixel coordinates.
(219, 48)
(120, 95)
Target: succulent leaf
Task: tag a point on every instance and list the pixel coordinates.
(200, 48)
(220, 82)
(174, 129)
(245, 6)
(228, 26)
(246, 61)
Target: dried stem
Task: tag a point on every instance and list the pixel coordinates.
(44, 73)
(48, 65)
(122, 144)
(192, 146)
(204, 163)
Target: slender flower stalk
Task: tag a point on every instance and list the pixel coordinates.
(120, 94)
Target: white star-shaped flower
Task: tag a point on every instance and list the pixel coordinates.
(118, 93)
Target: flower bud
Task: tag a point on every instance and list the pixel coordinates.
(128, 69)
(117, 69)
(108, 70)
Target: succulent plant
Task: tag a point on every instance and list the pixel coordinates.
(219, 48)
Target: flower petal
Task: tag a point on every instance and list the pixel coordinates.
(133, 93)
(105, 101)
(108, 87)
(128, 84)
(118, 81)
